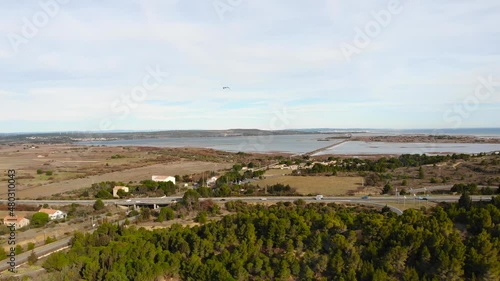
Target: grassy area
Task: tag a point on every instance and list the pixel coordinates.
(316, 184)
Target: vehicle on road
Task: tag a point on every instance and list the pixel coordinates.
(129, 200)
(319, 197)
(364, 197)
(263, 199)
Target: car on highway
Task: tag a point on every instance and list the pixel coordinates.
(263, 199)
(364, 197)
(129, 200)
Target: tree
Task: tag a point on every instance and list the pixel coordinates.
(31, 246)
(104, 194)
(19, 249)
(39, 219)
(32, 258)
(121, 193)
(465, 201)
(56, 262)
(39, 171)
(186, 178)
(98, 205)
(190, 199)
(387, 188)
(421, 174)
(201, 217)
(166, 213)
(237, 167)
(3, 253)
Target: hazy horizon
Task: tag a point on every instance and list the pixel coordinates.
(436, 130)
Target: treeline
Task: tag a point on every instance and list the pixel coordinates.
(246, 189)
(297, 241)
(473, 189)
(104, 190)
(380, 165)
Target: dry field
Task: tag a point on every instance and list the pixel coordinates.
(328, 186)
(76, 167)
(277, 172)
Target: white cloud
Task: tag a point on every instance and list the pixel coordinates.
(268, 53)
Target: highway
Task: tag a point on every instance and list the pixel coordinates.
(173, 199)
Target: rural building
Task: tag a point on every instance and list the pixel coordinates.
(163, 178)
(54, 214)
(116, 188)
(211, 180)
(18, 221)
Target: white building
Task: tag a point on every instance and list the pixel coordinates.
(54, 214)
(17, 221)
(211, 180)
(116, 188)
(163, 178)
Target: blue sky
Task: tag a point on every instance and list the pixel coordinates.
(160, 65)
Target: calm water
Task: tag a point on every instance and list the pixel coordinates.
(298, 144)
(294, 144)
(368, 148)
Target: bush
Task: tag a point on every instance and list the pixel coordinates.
(104, 194)
(32, 259)
(50, 240)
(56, 262)
(98, 205)
(39, 171)
(19, 249)
(48, 173)
(201, 217)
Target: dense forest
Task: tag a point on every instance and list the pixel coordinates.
(297, 241)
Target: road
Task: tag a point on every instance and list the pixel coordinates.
(39, 251)
(172, 199)
(49, 248)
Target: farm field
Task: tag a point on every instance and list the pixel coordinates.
(328, 186)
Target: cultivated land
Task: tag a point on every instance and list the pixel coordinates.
(325, 185)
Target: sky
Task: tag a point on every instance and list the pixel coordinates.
(70, 65)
